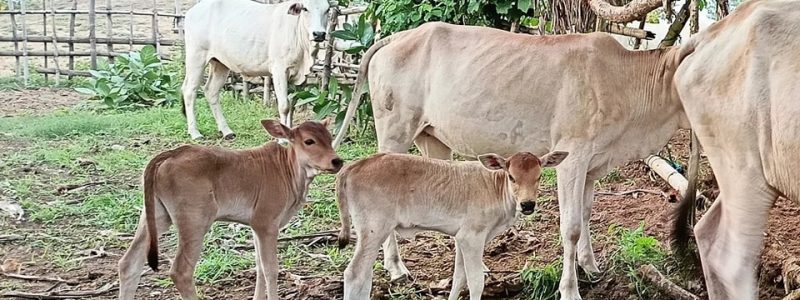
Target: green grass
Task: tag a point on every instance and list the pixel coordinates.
(541, 283)
(635, 249)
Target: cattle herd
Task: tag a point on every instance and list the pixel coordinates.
(513, 102)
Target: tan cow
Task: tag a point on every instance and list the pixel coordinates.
(476, 90)
(471, 201)
(194, 186)
(741, 89)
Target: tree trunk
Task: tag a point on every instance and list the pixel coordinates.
(632, 11)
(675, 29)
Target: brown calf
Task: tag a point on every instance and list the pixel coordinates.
(472, 201)
(194, 186)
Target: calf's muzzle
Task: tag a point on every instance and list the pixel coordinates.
(527, 207)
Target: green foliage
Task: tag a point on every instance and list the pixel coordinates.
(398, 15)
(135, 80)
(635, 249)
(542, 283)
(332, 101)
(362, 32)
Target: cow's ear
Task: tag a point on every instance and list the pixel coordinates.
(296, 9)
(554, 158)
(276, 129)
(326, 122)
(493, 161)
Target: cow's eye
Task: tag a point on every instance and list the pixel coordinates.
(309, 142)
(511, 178)
(305, 9)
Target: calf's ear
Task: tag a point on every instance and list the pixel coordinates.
(492, 161)
(295, 9)
(554, 158)
(326, 122)
(276, 129)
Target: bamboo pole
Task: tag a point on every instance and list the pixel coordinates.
(638, 42)
(44, 32)
(14, 35)
(25, 66)
(92, 34)
(99, 52)
(155, 26)
(327, 67)
(130, 28)
(86, 12)
(266, 97)
(72, 36)
(67, 72)
(101, 40)
(177, 20)
(109, 30)
(55, 42)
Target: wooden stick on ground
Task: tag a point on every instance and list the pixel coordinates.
(650, 273)
(654, 192)
(10, 237)
(62, 295)
(39, 278)
(70, 187)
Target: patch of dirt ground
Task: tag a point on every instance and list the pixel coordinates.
(37, 101)
(533, 242)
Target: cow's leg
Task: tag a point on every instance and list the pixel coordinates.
(358, 275)
(730, 235)
(432, 147)
(459, 275)
(195, 64)
(130, 265)
(192, 225)
(281, 85)
(571, 175)
(216, 79)
(471, 245)
(268, 259)
(585, 252)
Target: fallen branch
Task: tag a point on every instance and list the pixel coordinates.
(10, 237)
(794, 295)
(309, 236)
(650, 273)
(632, 192)
(62, 295)
(39, 278)
(74, 187)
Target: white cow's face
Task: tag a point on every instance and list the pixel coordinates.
(316, 15)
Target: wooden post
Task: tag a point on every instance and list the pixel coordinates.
(14, 35)
(109, 30)
(130, 27)
(327, 68)
(55, 41)
(92, 36)
(23, 9)
(155, 27)
(177, 20)
(44, 44)
(266, 97)
(638, 41)
(72, 36)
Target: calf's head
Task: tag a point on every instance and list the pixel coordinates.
(315, 13)
(523, 171)
(311, 142)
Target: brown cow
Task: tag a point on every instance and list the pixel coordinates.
(194, 186)
(471, 201)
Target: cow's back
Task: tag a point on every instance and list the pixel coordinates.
(741, 92)
(486, 90)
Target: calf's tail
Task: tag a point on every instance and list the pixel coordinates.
(344, 210)
(150, 173)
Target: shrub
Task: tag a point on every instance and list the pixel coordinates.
(137, 79)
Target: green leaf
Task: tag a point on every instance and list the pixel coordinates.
(524, 5)
(368, 37)
(503, 6)
(345, 35)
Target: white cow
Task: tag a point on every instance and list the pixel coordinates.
(740, 86)
(253, 39)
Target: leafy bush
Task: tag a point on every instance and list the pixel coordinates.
(362, 32)
(635, 249)
(333, 101)
(542, 283)
(138, 79)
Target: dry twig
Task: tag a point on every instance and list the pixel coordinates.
(39, 278)
(650, 273)
(75, 187)
(62, 294)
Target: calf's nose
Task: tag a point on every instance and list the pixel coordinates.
(319, 36)
(528, 207)
(337, 163)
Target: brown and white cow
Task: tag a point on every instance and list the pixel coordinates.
(740, 86)
(471, 201)
(194, 186)
(476, 90)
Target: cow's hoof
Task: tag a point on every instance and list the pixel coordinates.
(197, 137)
(230, 136)
(400, 278)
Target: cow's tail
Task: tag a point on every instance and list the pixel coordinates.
(344, 209)
(150, 173)
(361, 80)
(684, 214)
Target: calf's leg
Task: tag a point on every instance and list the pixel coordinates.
(191, 230)
(130, 265)
(217, 76)
(459, 275)
(392, 260)
(268, 260)
(471, 246)
(358, 275)
(261, 285)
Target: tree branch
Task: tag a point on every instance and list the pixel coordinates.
(632, 11)
(675, 29)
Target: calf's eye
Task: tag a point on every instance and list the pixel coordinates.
(309, 142)
(511, 178)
